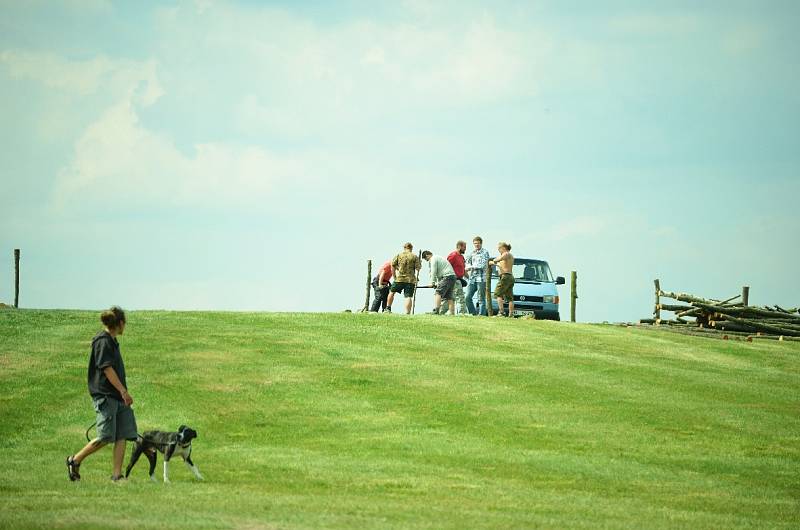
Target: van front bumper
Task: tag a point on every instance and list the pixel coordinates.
(540, 311)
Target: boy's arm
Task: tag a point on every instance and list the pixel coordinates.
(116, 383)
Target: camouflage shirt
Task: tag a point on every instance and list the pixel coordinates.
(407, 264)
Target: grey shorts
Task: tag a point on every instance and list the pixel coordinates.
(445, 287)
(115, 420)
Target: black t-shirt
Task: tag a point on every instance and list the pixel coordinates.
(105, 352)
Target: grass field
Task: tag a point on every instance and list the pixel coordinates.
(373, 421)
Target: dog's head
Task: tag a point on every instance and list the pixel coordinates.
(186, 434)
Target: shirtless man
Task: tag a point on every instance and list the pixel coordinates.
(505, 285)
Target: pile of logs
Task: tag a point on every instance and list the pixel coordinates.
(732, 316)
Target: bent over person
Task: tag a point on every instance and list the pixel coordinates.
(108, 389)
(381, 285)
(443, 278)
(405, 267)
(505, 284)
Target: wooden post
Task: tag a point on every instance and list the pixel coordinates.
(657, 310)
(16, 278)
(489, 311)
(745, 295)
(369, 281)
(573, 283)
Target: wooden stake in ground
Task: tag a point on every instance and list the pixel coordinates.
(573, 287)
(16, 278)
(489, 310)
(657, 310)
(745, 295)
(369, 280)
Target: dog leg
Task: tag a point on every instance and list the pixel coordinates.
(152, 457)
(137, 452)
(167, 455)
(193, 467)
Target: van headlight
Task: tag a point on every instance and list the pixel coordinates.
(550, 299)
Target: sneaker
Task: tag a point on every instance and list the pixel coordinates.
(73, 469)
(118, 478)
(387, 310)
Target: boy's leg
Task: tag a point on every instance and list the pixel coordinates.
(92, 447)
(511, 306)
(408, 305)
(390, 300)
(452, 305)
(119, 456)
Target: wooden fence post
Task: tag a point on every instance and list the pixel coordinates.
(16, 278)
(369, 280)
(657, 310)
(745, 295)
(489, 311)
(573, 283)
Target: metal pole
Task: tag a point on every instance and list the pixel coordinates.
(416, 283)
(573, 285)
(16, 278)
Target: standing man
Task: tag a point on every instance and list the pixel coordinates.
(476, 269)
(381, 285)
(443, 277)
(112, 402)
(405, 267)
(505, 285)
(456, 259)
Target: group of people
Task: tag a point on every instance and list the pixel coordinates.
(449, 276)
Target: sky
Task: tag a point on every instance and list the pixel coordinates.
(253, 155)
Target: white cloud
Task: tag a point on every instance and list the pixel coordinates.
(117, 157)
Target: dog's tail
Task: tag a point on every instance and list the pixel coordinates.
(89, 429)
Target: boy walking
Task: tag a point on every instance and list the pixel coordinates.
(112, 402)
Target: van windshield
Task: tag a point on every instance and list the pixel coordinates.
(529, 270)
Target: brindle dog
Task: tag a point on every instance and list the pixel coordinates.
(168, 443)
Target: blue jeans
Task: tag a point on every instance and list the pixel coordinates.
(473, 287)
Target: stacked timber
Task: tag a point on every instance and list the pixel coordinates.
(732, 316)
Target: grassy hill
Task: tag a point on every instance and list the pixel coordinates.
(373, 421)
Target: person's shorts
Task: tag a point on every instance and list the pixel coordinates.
(406, 288)
(445, 287)
(115, 420)
(505, 287)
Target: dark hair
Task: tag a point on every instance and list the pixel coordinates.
(477, 238)
(426, 253)
(112, 317)
(459, 243)
(409, 246)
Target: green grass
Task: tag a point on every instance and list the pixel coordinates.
(373, 421)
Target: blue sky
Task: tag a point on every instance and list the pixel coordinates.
(253, 155)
